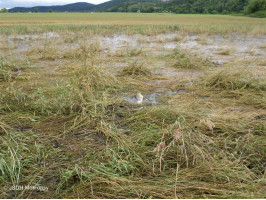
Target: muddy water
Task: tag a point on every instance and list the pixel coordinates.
(151, 98)
(240, 47)
(154, 96)
(23, 47)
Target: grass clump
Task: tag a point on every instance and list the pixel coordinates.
(187, 60)
(122, 161)
(88, 86)
(9, 71)
(18, 154)
(90, 83)
(93, 78)
(224, 52)
(6, 71)
(135, 70)
(47, 51)
(88, 50)
(234, 79)
(135, 52)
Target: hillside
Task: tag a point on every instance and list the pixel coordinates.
(206, 6)
(74, 7)
(112, 5)
(148, 6)
(175, 6)
(128, 5)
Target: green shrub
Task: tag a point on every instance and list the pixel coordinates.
(259, 14)
(256, 8)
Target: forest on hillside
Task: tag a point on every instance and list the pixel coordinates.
(256, 8)
(182, 6)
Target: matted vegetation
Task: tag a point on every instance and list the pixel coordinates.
(67, 122)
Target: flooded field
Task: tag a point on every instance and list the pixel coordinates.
(117, 51)
(165, 115)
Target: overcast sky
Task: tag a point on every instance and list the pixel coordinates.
(30, 3)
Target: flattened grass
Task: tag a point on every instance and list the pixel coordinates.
(74, 133)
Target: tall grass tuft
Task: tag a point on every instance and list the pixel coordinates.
(234, 79)
(9, 70)
(187, 60)
(136, 69)
(90, 84)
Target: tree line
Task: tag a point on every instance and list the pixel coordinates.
(255, 8)
(249, 7)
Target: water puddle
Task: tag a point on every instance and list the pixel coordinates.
(204, 97)
(23, 47)
(104, 51)
(16, 70)
(171, 45)
(239, 46)
(178, 91)
(153, 98)
(117, 42)
(188, 44)
(180, 74)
